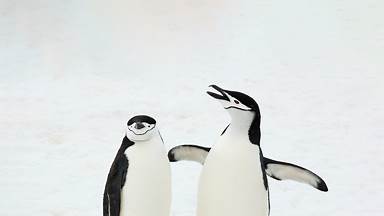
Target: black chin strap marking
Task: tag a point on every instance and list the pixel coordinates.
(142, 133)
(230, 107)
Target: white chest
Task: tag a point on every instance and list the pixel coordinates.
(231, 182)
(147, 190)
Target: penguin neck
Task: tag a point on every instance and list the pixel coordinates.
(246, 123)
(241, 120)
(126, 143)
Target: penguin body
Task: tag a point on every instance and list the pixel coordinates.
(233, 168)
(232, 180)
(139, 182)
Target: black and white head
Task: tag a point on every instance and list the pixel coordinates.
(241, 107)
(141, 128)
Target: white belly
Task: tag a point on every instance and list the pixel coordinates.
(231, 181)
(147, 190)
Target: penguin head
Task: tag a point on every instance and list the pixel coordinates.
(141, 128)
(236, 103)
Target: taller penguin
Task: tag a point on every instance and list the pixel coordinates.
(139, 181)
(233, 179)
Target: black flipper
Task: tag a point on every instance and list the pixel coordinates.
(188, 152)
(286, 171)
(115, 181)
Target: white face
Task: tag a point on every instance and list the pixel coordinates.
(240, 113)
(140, 131)
(233, 103)
(228, 101)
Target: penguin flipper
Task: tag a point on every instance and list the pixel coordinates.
(286, 171)
(275, 169)
(115, 181)
(188, 152)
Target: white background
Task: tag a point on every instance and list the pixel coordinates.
(73, 72)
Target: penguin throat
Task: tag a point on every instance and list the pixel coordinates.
(246, 123)
(241, 120)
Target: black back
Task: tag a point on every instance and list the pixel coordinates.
(254, 132)
(116, 180)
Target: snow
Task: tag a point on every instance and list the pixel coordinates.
(73, 72)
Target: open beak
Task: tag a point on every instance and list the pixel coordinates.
(220, 95)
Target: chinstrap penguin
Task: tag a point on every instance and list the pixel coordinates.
(233, 180)
(139, 180)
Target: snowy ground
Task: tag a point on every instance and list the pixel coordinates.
(73, 72)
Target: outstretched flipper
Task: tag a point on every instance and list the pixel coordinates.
(188, 152)
(286, 171)
(275, 169)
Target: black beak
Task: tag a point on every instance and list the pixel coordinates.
(221, 96)
(139, 125)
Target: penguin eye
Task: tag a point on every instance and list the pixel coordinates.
(237, 102)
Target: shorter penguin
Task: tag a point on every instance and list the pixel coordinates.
(139, 180)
